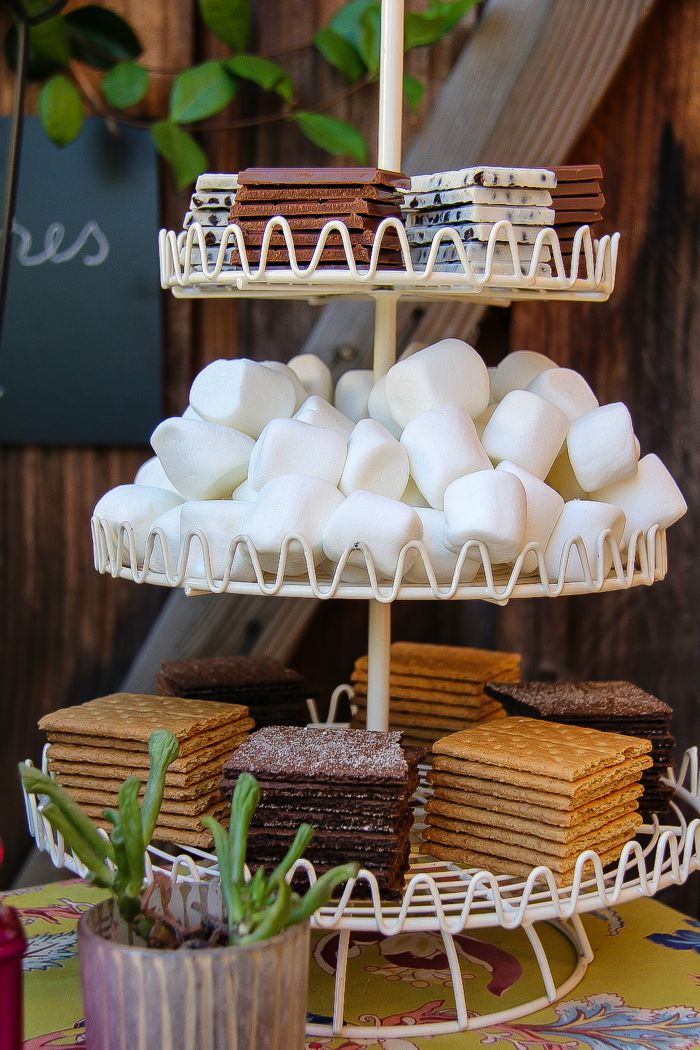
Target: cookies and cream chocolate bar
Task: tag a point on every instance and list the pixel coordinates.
(483, 175)
(448, 255)
(477, 213)
(216, 181)
(512, 197)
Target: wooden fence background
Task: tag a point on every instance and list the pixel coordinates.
(68, 634)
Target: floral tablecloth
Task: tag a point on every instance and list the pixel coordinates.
(641, 992)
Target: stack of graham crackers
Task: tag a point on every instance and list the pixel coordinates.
(96, 745)
(309, 198)
(273, 694)
(354, 787)
(577, 200)
(521, 793)
(619, 707)
(210, 204)
(437, 689)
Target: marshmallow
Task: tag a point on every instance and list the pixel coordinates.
(151, 473)
(245, 493)
(527, 430)
(517, 370)
(299, 388)
(202, 460)
(562, 478)
(544, 506)
(442, 446)
(190, 413)
(288, 446)
(602, 447)
(481, 421)
(139, 505)
(242, 394)
(352, 393)
(492, 376)
(319, 413)
(376, 462)
(566, 389)
(220, 520)
(384, 525)
(314, 375)
(449, 372)
(294, 503)
(443, 560)
(651, 497)
(585, 519)
(379, 409)
(488, 505)
(169, 525)
(412, 495)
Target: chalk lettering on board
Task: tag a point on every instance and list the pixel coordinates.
(53, 239)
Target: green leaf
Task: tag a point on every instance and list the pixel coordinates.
(61, 110)
(332, 135)
(99, 37)
(413, 91)
(200, 92)
(347, 22)
(370, 37)
(263, 71)
(125, 85)
(230, 20)
(49, 48)
(163, 748)
(452, 10)
(81, 827)
(427, 27)
(340, 53)
(182, 152)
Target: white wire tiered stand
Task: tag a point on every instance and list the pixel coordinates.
(439, 896)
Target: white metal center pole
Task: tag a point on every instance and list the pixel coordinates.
(388, 157)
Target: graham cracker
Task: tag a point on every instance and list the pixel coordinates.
(85, 782)
(505, 808)
(562, 752)
(511, 783)
(458, 663)
(185, 807)
(188, 746)
(193, 778)
(509, 828)
(446, 692)
(434, 707)
(470, 858)
(132, 761)
(180, 836)
(172, 823)
(134, 716)
(411, 718)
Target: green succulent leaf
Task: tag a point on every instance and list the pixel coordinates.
(200, 92)
(49, 48)
(100, 37)
(413, 91)
(333, 135)
(184, 155)
(262, 71)
(230, 20)
(37, 783)
(61, 110)
(321, 891)
(163, 749)
(347, 23)
(340, 53)
(124, 85)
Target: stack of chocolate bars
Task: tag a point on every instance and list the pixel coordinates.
(437, 689)
(95, 746)
(353, 786)
(577, 200)
(309, 198)
(210, 204)
(273, 694)
(522, 792)
(619, 707)
(470, 201)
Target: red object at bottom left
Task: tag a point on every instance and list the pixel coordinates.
(12, 947)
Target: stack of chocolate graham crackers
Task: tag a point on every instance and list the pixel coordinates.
(309, 198)
(577, 200)
(210, 204)
(96, 745)
(273, 694)
(522, 792)
(353, 786)
(618, 707)
(437, 689)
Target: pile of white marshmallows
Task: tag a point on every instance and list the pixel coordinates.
(441, 450)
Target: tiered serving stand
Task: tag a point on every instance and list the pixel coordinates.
(439, 896)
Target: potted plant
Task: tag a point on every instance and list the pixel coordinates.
(191, 966)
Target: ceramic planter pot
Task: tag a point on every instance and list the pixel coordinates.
(138, 998)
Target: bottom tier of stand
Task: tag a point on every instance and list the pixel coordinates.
(443, 898)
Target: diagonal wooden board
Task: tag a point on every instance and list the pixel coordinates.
(521, 92)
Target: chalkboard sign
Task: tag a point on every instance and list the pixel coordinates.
(80, 361)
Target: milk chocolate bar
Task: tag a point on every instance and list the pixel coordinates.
(577, 172)
(344, 206)
(320, 193)
(321, 177)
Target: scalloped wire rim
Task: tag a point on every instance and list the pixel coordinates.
(596, 261)
(642, 562)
